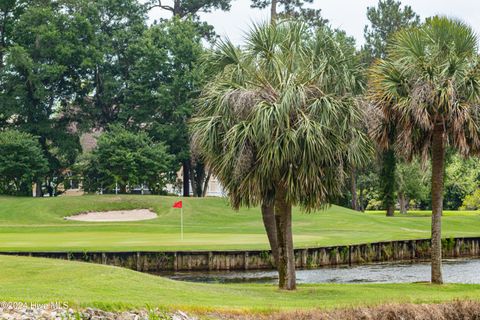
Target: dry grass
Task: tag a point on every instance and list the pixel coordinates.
(464, 310)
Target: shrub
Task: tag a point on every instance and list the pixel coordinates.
(126, 158)
(22, 161)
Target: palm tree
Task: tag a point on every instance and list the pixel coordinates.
(429, 86)
(276, 124)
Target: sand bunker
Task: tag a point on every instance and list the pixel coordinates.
(115, 216)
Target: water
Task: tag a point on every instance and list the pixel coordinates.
(454, 271)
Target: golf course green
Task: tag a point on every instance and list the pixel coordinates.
(29, 224)
(38, 224)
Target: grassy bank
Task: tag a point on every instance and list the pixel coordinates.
(81, 284)
(30, 224)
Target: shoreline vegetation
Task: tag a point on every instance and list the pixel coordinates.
(82, 285)
(39, 223)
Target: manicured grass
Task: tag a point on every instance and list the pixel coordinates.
(428, 213)
(30, 224)
(81, 284)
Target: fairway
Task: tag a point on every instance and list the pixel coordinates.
(37, 224)
(81, 284)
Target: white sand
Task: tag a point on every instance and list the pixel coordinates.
(115, 216)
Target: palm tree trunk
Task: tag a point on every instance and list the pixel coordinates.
(286, 257)
(206, 182)
(438, 162)
(268, 215)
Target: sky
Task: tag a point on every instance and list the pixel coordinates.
(349, 15)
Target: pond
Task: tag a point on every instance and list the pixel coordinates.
(454, 271)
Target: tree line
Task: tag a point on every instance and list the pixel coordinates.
(74, 67)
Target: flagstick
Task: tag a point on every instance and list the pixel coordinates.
(181, 222)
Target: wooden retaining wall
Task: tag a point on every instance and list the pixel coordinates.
(149, 261)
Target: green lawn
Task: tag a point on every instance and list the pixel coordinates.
(30, 224)
(81, 284)
(428, 213)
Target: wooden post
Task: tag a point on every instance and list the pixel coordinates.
(210, 261)
(304, 258)
(349, 255)
(175, 261)
(138, 262)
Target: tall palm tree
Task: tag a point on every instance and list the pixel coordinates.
(429, 85)
(276, 124)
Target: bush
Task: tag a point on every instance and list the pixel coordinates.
(22, 161)
(471, 201)
(126, 158)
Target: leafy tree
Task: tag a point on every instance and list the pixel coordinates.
(116, 27)
(127, 159)
(162, 88)
(43, 72)
(189, 9)
(462, 178)
(274, 126)
(385, 20)
(292, 9)
(412, 184)
(184, 8)
(429, 86)
(471, 201)
(368, 187)
(21, 162)
(10, 11)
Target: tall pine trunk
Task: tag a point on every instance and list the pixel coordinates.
(286, 257)
(268, 215)
(186, 178)
(438, 163)
(177, 9)
(353, 186)
(388, 181)
(273, 11)
(361, 198)
(38, 189)
(402, 200)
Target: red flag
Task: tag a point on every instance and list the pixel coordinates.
(177, 204)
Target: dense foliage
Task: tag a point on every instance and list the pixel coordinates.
(70, 68)
(124, 160)
(21, 162)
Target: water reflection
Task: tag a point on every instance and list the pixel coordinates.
(455, 271)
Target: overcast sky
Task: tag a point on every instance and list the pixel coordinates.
(349, 15)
